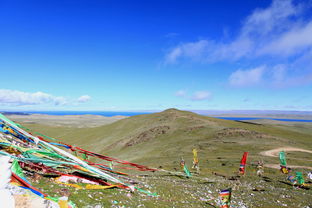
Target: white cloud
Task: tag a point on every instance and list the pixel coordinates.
(291, 42)
(265, 21)
(180, 93)
(191, 50)
(278, 73)
(196, 96)
(278, 30)
(277, 76)
(201, 95)
(280, 33)
(15, 97)
(60, 101)
(172, 56)
(84, 98)
(242, 78)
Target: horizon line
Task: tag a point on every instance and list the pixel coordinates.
(159, 110)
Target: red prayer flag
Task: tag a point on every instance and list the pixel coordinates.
(243, 163)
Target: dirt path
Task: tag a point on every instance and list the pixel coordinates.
(275, 152)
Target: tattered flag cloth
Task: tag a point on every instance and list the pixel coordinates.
(139, 167)
(310, 175)
(292, 179)
(38, 155)
(195, 159)
(74, 179)
(283, 163)
(84, 156)
(111, 165)
(299, 178)
(182, 163)
(225, 198)
(27, 185)
(186, 170)
(243, 163)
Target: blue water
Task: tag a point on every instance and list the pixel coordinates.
(276, 119)
(131, 113)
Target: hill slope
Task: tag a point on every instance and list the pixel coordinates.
(160, 139)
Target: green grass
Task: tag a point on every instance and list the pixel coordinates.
(220, 145)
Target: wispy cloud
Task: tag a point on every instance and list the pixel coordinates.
(250, 77)
(276, 76)
(196, 96)
(84, 98)
(20, 98)
(201, 95)
(15, 97)
(295, 41)
(193, 50)
(180, 93)
(277, 30)
(278, 34)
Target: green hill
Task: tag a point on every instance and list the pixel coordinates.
(161, 139)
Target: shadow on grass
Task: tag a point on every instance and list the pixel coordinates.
(266, 179)
(297, 186)
(210, 205)
(286, 183)
(206, 182)
(176, 175)
(231, 178)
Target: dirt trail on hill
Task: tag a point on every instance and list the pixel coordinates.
(275, 152)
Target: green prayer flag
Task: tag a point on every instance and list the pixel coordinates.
(282, 158)
(187, 172)
(17, 169)
(146, 192)
(46, 136)
(84, 156)
(299, 178)
(2, 117)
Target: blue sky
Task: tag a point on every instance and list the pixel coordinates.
(153, 55)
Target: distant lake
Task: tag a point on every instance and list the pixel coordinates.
(252, 118)
(132, 113)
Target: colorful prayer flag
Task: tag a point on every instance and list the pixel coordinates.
(283, 162)
(84, 156)
(186, 170)
(243, 163)
(225, 197)
(16, 168)
(111, 165)
(292, 179)
(299, 178)
(195, 159)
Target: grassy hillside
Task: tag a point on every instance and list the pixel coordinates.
(164, 137)
(161, 139)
